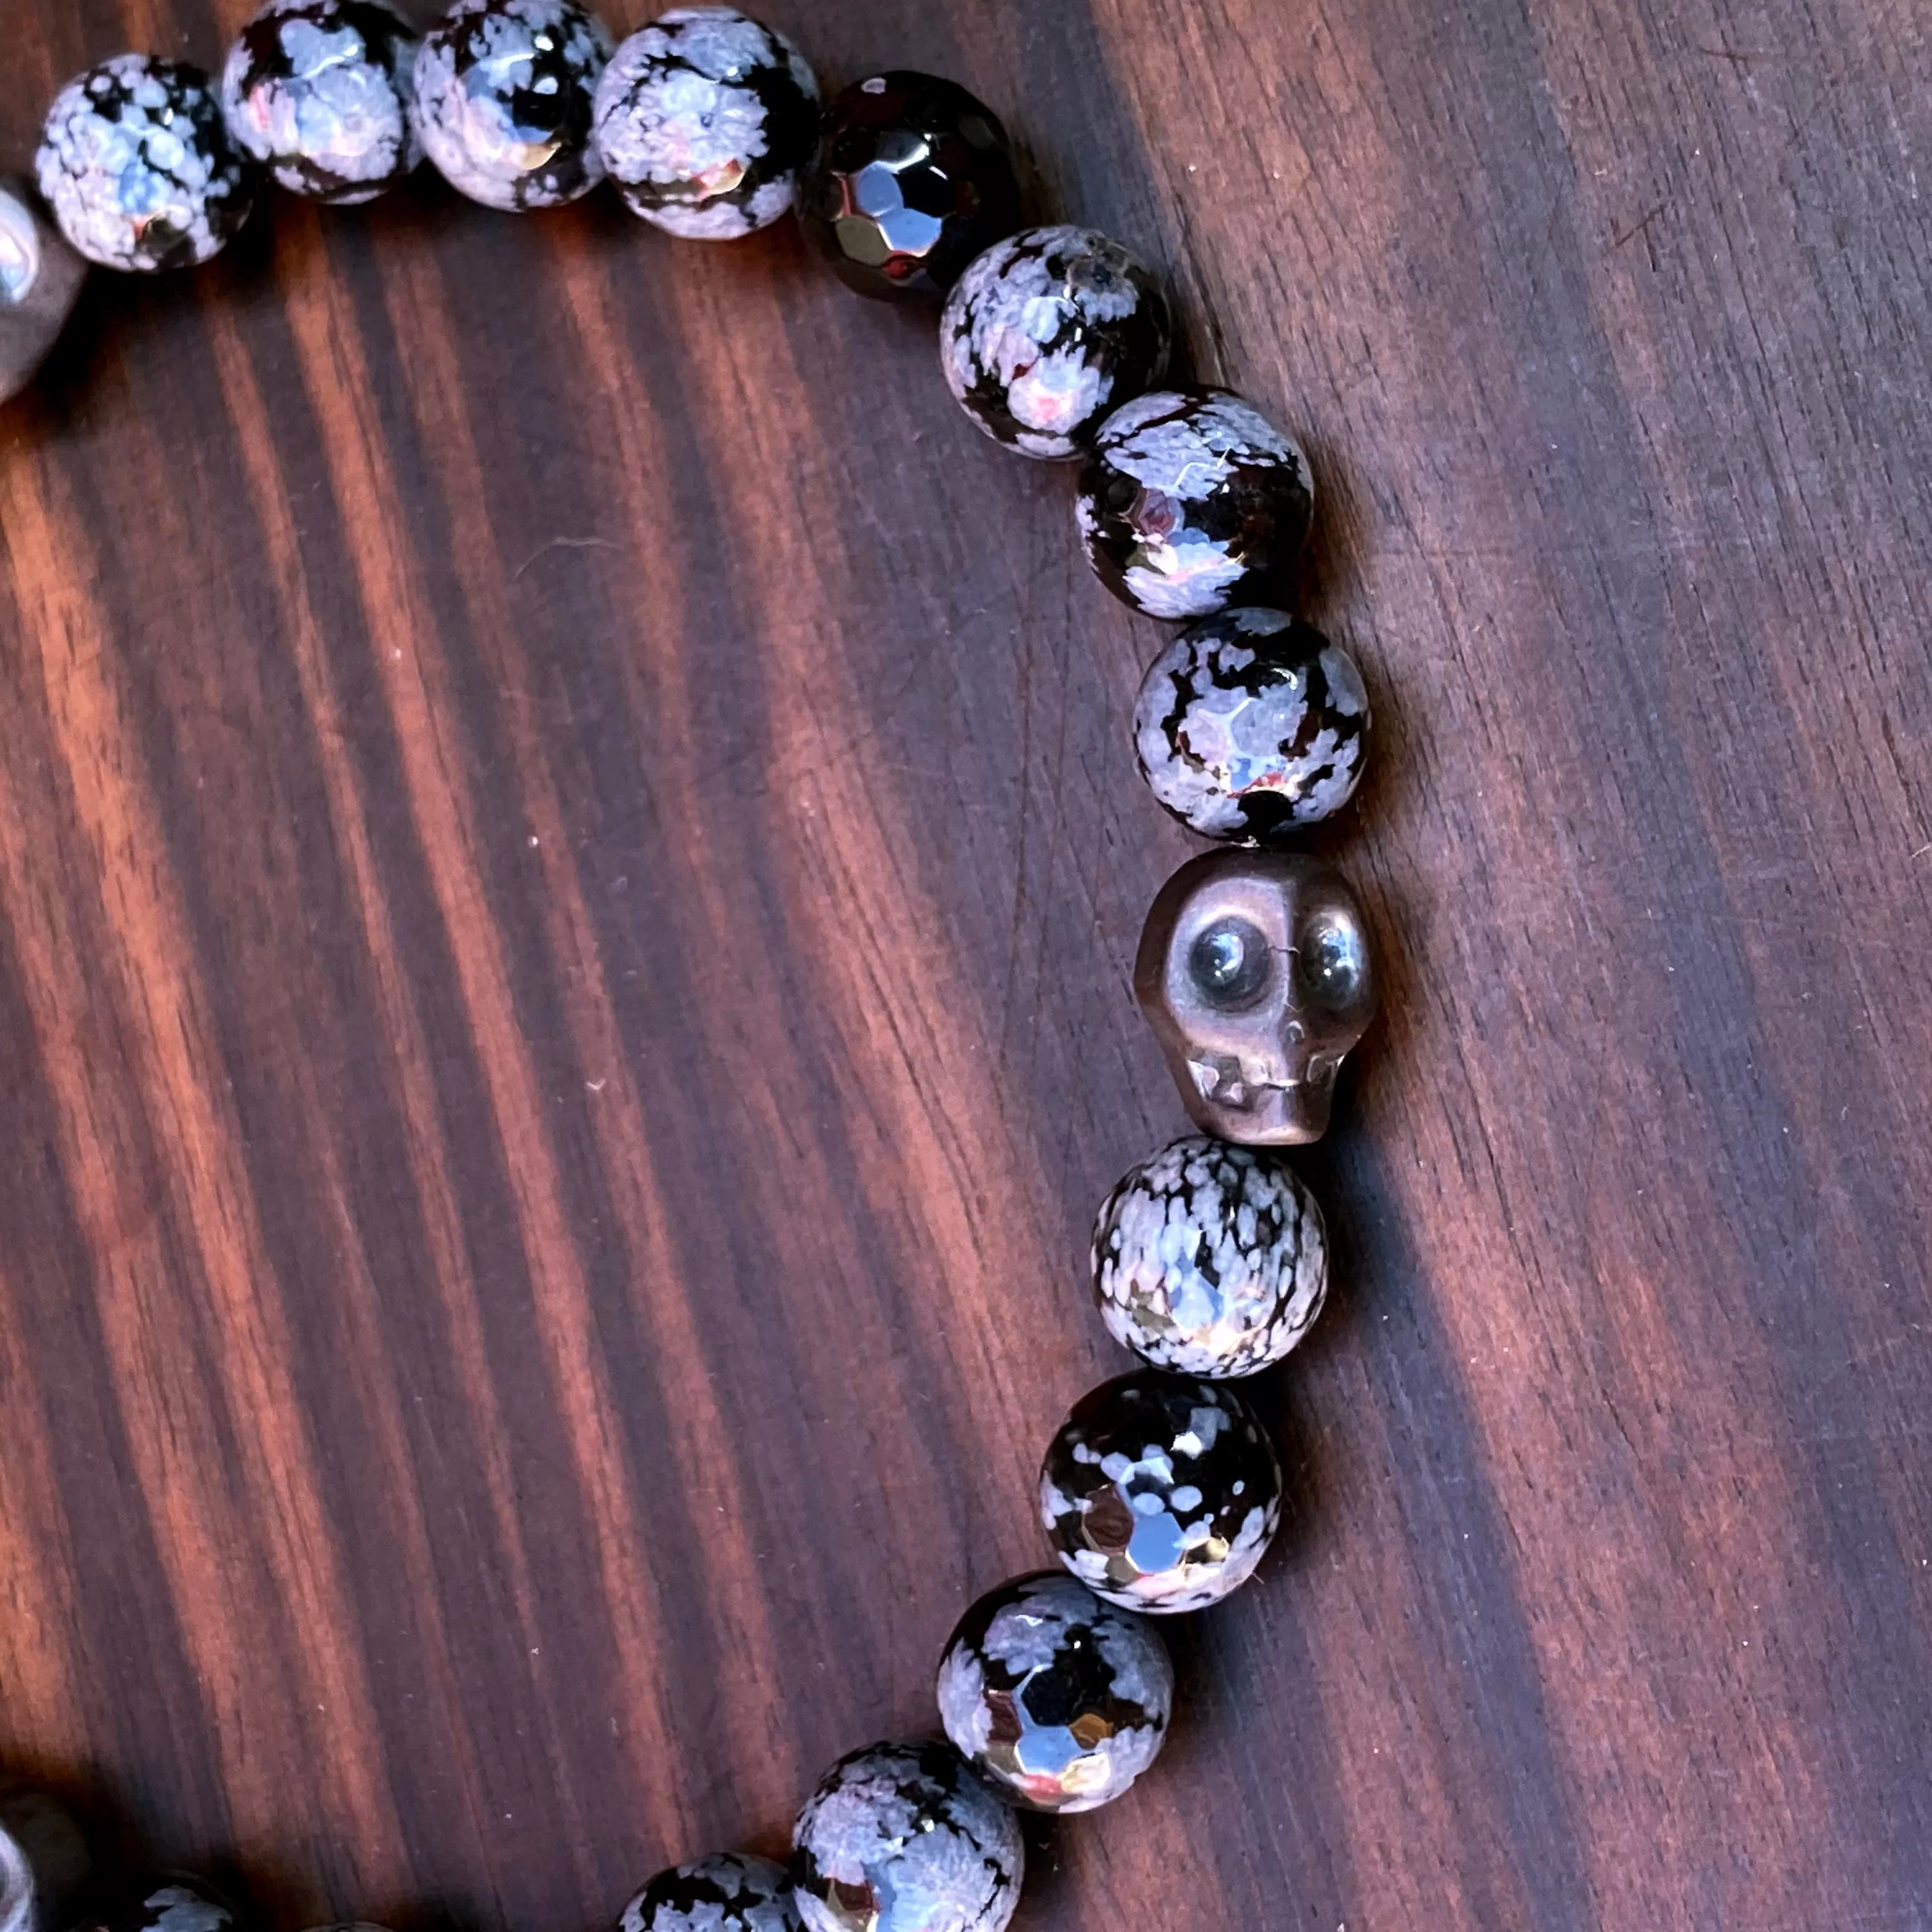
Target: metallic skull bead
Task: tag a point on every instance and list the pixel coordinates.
(914, 177)
(1193, 502)
(704, 118)
(323, 94)
(1049, 332)
(41, 279)
(137, 166)
(725, 1893)
(1162, 1493)
(1254, 972)
(1210, 1260)
(1252, 725)
(906, 1838)
(1060, 1699)
(505, 92)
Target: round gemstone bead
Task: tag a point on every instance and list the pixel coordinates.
(135, 163)
(163, 1902)
(1062, 1700)
(1251, 724)
(1192, 501)
(704, 118)
(908, 1838)
(1210, 1259)
(724, 1894)
(914, 177)
(323, 94)
(40, 278)
(45, 1866)
(1162, 1493)
(505, 90)
(1048, 332)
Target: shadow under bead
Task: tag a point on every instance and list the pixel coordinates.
(914, 177)
(1193, 502)
(1162, 1494)
(1251, 725)
(40, 281)
(1254, 972)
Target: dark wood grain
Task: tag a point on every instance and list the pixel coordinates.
(568, 864)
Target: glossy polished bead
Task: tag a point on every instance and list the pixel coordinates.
(1048, 332)
(906, 1838)
(1255, 973)
(45, 1867)
(724, 1894)
(1251, 724)
(704, 119)
(505, 90)
(1061, 1700)
(914, 177)
(163, 1902)
(41, 279)
(1162, 1494)
(1193, 502)
(323, 94)
(135, 163)
(1210, 1260)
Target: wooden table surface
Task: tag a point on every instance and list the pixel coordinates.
(569, 859)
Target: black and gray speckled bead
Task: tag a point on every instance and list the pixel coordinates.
(1193, 502)
(41, 279)
(704, 118)
(906, 1838)
(163, 1902)
(726, 1893)
(1048, 332)
(1210, 1260)
(1162, 1493)
(1061, 1700)
(136, 164)
(505, 92)
(323, 94)
(1251, 724)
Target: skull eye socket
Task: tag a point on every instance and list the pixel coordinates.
(1333, 962)
(1231, 964)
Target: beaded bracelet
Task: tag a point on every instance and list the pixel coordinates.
(1161, 1491)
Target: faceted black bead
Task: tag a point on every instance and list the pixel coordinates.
(914, 178)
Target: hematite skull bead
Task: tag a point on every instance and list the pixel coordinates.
(1062, 1700)
(1162, 1494)
(505, 90)
(1254, 972)
(1049, 331)
(914, 177)
(163, 1902)
(1251, 724)
(1210, 1260)
(723, 1893)
(906, 1838)
(704, 118)
(41, 279)
(1193, 502)
(323, 94)
(137, 167)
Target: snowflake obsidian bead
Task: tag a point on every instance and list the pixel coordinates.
(40, 278)
(1193, 502)
(914, 177)
(1162, 1493)
(505, 92)
(724, 1893)
(137, 167)
(1210, 1260)
(323, 94)
(906, 1838)
(1252, 725)
(1060, 1699)
(166, 1902)
(704, 119)
(1048, 332)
